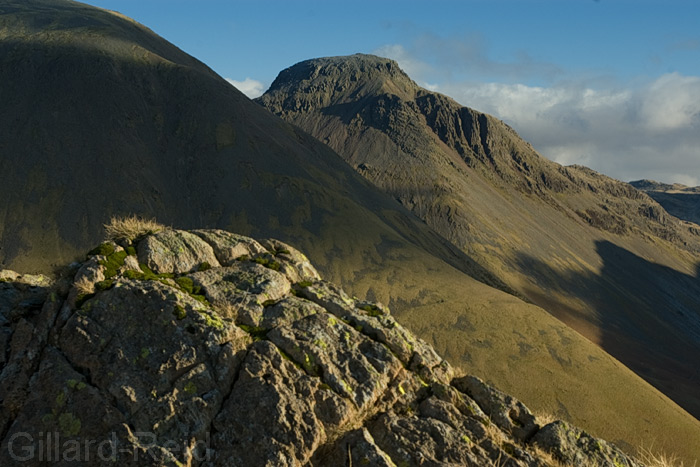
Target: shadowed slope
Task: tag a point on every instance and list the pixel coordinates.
(106, 118)
(679, 200)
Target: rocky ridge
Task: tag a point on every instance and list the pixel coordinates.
(598, 254)
(371, 94)
(205, 347)
(679, 200)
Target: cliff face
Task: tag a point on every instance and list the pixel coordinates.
(596, 253)
(209, 348)
(679, 200)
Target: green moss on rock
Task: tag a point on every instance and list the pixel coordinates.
(104, 285)
(179, 312)
(104, 249)
(82, 298)
(372, 310)
(268, 263)
(69, 424)
(113, 263)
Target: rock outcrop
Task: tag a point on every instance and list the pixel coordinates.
(210, 348)
(679, 200)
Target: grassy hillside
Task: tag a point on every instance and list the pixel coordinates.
(106, 118)
(595, 252)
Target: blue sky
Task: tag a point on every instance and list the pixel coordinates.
(611, 84)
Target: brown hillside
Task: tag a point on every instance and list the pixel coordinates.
(679, 200)
(595, 252)
(106, 118)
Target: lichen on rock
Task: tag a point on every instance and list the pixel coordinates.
(250, 360)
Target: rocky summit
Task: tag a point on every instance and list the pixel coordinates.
(209, 348)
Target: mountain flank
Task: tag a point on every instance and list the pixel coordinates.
(597, 253)
(106, 119)
(679, 200)
(209, 348)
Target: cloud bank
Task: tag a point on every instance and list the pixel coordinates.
(250, 87)
(643, 130)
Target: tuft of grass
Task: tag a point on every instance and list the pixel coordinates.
(546, 457)
(129, 228)
(544, 419)
(658, 459)
(83, 286)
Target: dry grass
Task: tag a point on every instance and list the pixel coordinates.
(657, 459)
(494, 432)
(544, 419)
(130, 228)
(84, 286)
(459, 372)
(546, 457)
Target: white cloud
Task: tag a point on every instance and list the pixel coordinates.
(673, 102)
(448, 57)
(652, 131)
(250, 87)
(413, 67)
(649, 130)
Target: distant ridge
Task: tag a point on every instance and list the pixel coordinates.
(680, 200)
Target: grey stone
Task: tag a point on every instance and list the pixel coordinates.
(228, 247)
(508, 413)
(576, 447)
(258, 362)
(175, 251)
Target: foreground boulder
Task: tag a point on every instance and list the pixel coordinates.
(210, 348)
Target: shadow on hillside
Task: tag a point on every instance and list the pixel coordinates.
(682, 205)
(648, 315)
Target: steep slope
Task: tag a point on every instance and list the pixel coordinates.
(210, 348)
(106, 118)
(598, 254)
(679, 200)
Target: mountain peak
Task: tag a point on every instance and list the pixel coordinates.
(541, 229)
(336, 80)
